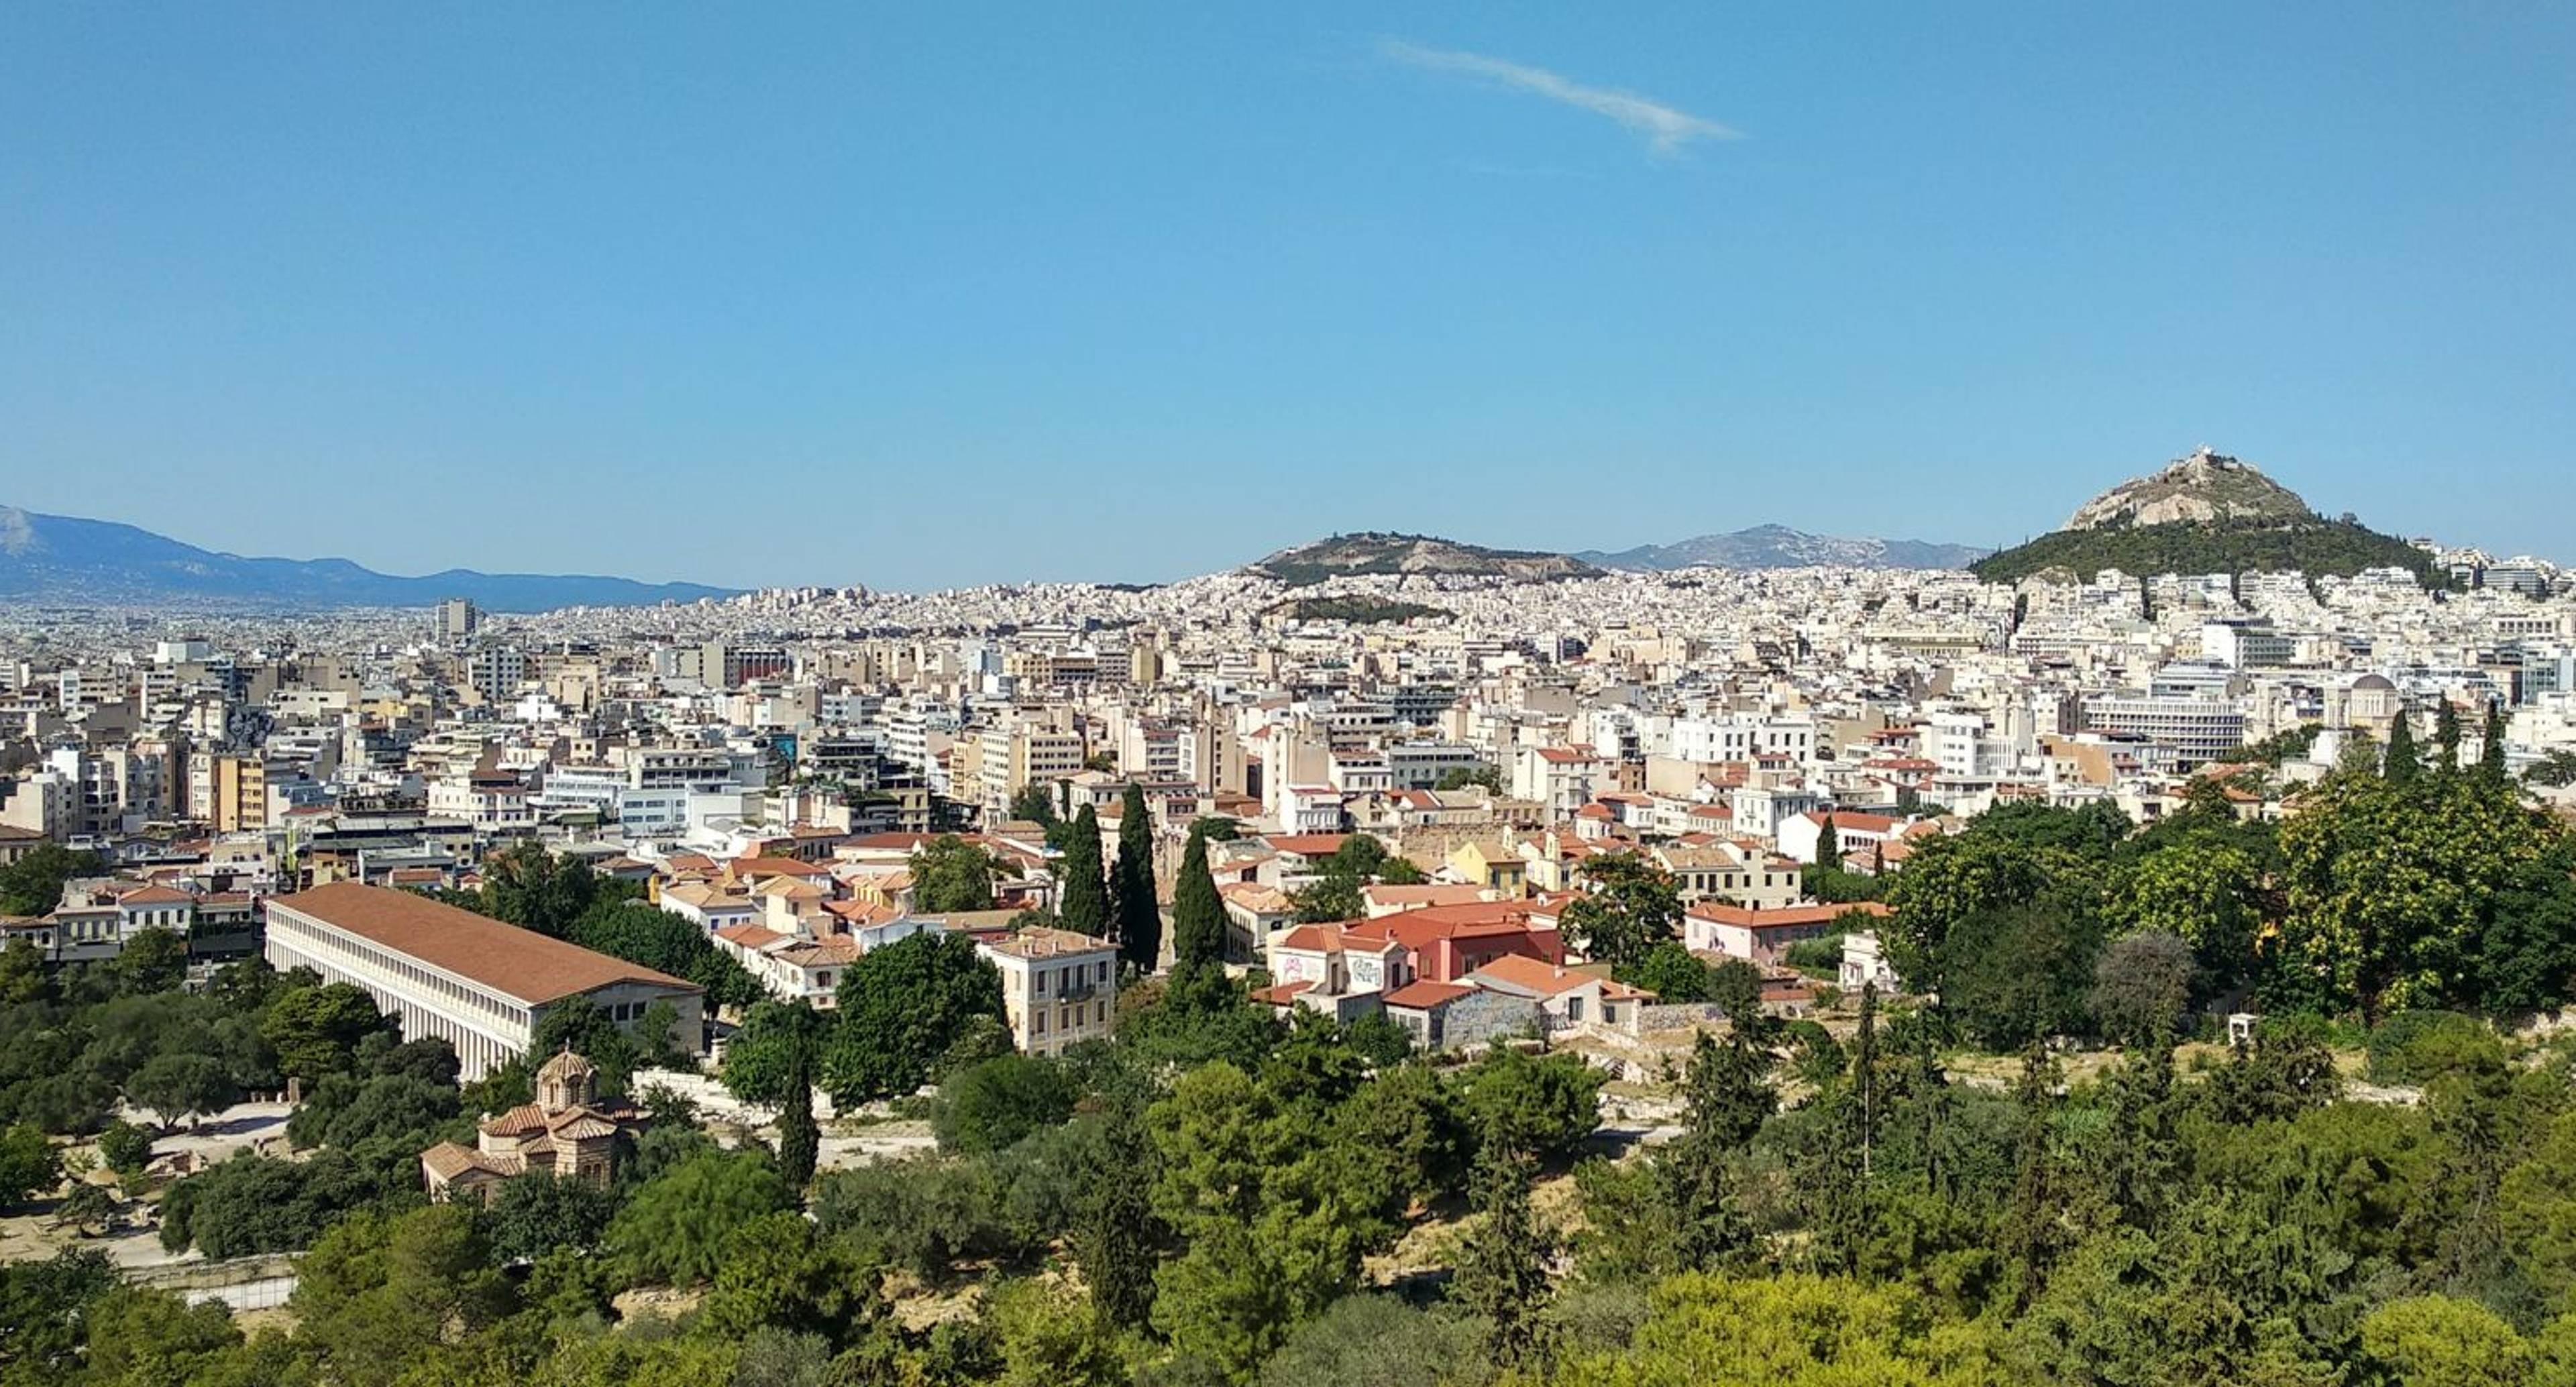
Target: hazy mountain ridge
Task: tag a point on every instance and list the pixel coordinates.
(66, 559)
(1778, 546)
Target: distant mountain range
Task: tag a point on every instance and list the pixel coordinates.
(1379, 553)
(58, 558)
(1778, 546)
(2206, 513)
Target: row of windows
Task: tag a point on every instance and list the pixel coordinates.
(1066, 1018)
(1070, 976)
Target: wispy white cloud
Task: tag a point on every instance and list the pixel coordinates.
(1666, 129)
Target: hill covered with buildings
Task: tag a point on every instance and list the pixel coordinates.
(2206, 513)
(1382, 554)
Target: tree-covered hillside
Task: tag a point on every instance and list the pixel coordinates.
(2317, 548)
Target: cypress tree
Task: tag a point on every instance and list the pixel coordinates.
(1086, 891)
(1139, 920)
(2446, 737)
(2491, 753)
(1115, 1229)
(2030, 1224)
(1829, 847)
(799, 1140)
(1502, 1270)
(1198, 913)
(2401, 764)
(1865, 1071)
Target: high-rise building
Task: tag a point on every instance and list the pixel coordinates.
(457, 619)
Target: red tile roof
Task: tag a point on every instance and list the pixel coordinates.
(515, 962)
(1424, 995)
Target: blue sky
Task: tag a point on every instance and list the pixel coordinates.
(963, 293)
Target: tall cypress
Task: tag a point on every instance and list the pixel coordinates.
(1865, 1071)
(1139, 919)
(2446, 737)
(1198, 913)
(1086, 892)
(1115, 1230)
(2491, 753)
(2401, 764)
(1829, 847)
(800, 1142)
(1502, 1269)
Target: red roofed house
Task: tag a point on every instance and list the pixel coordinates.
(1567, 996)
(1445, 943)
(1856, 832)
(1763, 936)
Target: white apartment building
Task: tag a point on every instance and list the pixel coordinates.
(479, 984)
(2196, 730)
(1059, 988)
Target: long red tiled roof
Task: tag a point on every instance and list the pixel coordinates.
(1423, 994)
(515, 962)
(1779, 916)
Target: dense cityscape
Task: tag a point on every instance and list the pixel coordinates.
(1167, 695)
(1392, 953)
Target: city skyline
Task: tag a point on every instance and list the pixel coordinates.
(1230, 283)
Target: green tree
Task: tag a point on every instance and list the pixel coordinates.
(1034, 803)
(1790, 1331)
(315, 1030)
(901, 1006)
(2402, 763)
(678, 1226)
(535, 1216)
(999, 1102)
(141, 1337)
(126, 1148)
(2142, 987)
(760, 1063)
(1131, 885)
(1630, 906)
(2204, 889)
(533, 888)
(181, 1086)
(776, 1273)
(1541, 1107)
(1670, 971)
(33, 885)
(1198, 912)
(1086, 887)
(951, 874)
(1502, 1262)
(800, 1140)
(2387, 889)
(1330, 897)
(1115, 1230)
(1487, 778)
(154, 960)
(2491, 766)
(29, 1165)
(644, 934)
(1829, 847)
(378, 1295)
(22, 973)
(2439, 1341)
